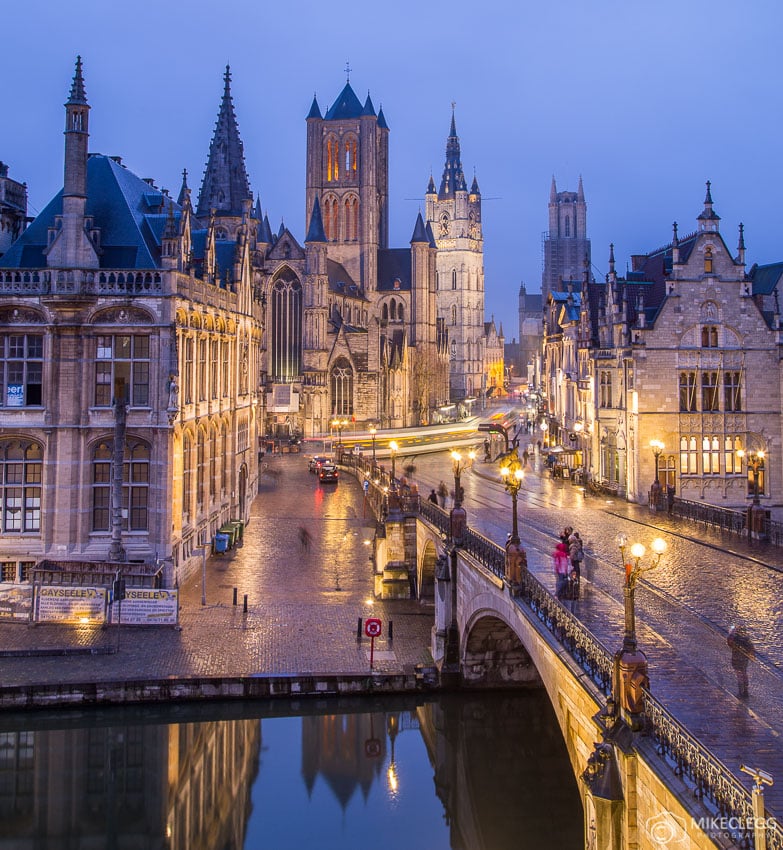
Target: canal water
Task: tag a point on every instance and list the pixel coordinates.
(466, 772)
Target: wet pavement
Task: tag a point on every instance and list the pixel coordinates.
(303, 601)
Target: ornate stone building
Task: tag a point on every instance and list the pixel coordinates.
(148, 346)
(13, 209)
(685, 351)
(566, 246)
(454, 214)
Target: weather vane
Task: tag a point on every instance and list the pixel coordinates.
(347, 72)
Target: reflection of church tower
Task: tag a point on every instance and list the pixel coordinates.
(454, 214)
(565, 244)
(346, 750)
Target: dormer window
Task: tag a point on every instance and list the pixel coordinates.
(709, 336)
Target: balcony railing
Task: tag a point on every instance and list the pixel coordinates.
(80, 282)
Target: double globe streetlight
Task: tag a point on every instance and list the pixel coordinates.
(512, 473)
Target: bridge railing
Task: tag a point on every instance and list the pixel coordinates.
(710, 779)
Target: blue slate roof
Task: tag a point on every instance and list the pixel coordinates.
(766, 278)
(347, 105)
(394, 264)
(126, 209)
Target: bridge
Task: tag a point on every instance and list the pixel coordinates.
(646, 781)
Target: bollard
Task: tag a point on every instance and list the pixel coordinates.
(359, 629)
(391, 631)
(235, 596)
(244, 607)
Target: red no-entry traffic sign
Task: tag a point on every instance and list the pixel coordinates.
(372, 627)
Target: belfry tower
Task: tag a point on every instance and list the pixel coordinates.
(454, 215)
(566, 246)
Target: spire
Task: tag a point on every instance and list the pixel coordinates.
(611, 258)
(382, 120)
(708, 220)
(77, 94)
(553, 191)
(453, 179)
(419, 232)
(431, 186)
(474, 186)
(225, 184)
(675, 237)
(315, 111)
(266, 232)
(580, 192)
(369, 109)
(430, 235)
(258, 213)
(315, 233)
(170, 230)
(741, 245)
(184, 191)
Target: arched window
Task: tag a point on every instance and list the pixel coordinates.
(187, 476)
(286, 328)
(200, 468)
(341, 385)
(400, 316)
(385, 313)
(351, 219)
(453, 314)
(223, 462)
(213, 460)
(453, 278)
(135, 485)
(709, 336)
(708, 260)
(393, 310)
(21, 465)
(568, 225)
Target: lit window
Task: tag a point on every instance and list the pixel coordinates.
(688, 455)
(135, 486)
(21, 469)
(123, 359)
(21, 370)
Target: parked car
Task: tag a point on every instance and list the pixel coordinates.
(316, 462)
(327, 473)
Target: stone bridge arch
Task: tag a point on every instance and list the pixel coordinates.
(429, 545)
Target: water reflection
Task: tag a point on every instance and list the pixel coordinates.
(487, 771)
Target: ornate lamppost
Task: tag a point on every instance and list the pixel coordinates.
(755, 459)
(373, 432)
(655, 491)
(630, 663)
(512, 474)
(339, 424)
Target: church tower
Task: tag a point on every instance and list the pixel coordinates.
(348, 171)
(454, 214)
(566, 246)
(225, 187)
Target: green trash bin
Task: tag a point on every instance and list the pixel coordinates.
(229, 530)
(239, 528)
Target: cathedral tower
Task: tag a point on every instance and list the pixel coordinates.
(454, 214)
(348, 170)
(566, 246)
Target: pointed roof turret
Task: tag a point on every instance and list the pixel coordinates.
(431, 186)
(430, 235)
(258, 213)
(77, 94)
(611, 258)
(225, 184)
(474, 186)
(741, 245)
(708, 220)
(315, 233)
(580, 192)
(419, 232)
(184, 190)
(553, 191)
(347, 105)
(453, 179)
(315, 110)
(281, 231)
(382, 120)
(369, 109)
(265, 231)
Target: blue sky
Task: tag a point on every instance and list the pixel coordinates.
(645, 101)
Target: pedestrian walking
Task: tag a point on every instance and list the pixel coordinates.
(433, 497)
(562, 565)
(742, 650)
(670, 499)
(576, 553)
(487, 454)
(305, 538)
(572, 588)
(443, 491)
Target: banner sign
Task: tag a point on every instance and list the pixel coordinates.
(82, 605)
(146, 606)
(14, 395)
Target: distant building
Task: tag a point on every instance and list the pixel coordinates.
(566, 246)
(13, 209)
(496, 378)
(531, 333)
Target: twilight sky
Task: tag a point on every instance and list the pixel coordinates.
(645, 101)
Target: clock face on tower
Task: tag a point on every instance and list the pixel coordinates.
(444, 224)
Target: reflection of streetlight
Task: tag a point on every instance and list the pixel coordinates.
(544, 429)
(630, 664)
(392, 728)
(512, 473)
(578, 429)
(373, 431)
(393, 449)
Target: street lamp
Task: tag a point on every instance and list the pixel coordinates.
(373, 431)
(655, 492)
(755, 459)
(459, 464)
(544, 429)
(630, 664)
(512, 474)
(339, 424)
(393, 449)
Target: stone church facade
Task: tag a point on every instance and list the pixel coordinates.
(150, 344)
